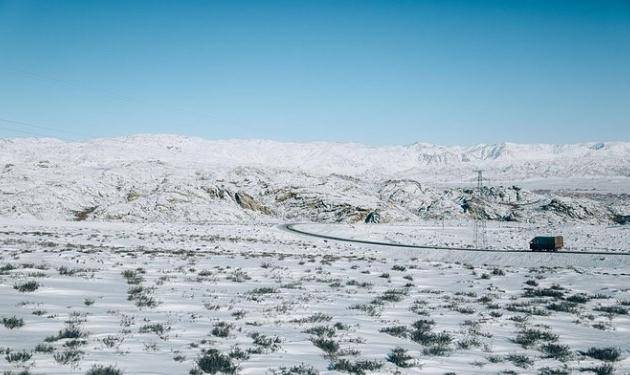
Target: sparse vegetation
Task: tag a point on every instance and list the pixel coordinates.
(400, 358)
(103, 370)
(556, 351)
(327, 345)
(528, 337)
(608, 354)
(215, 362)
(222, 329)
(13, 322)
(27, 286)
(358, 367)
(21, 356)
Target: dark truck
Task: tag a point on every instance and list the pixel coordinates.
(546, 243)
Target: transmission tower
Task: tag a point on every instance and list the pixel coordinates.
(480, 220)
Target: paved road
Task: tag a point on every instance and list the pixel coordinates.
(292, 228)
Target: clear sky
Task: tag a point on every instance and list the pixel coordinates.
(377, 72)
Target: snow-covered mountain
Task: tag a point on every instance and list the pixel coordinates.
(173, 178)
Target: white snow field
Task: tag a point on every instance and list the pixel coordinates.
(166, 255)
(165, 178)
(159, 298)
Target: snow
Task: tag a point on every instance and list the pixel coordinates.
(163, 178)
(323, 158)
(93, 221)
(189, 271)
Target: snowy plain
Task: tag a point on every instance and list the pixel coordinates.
(136, 253)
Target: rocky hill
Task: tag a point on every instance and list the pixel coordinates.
(178, 179)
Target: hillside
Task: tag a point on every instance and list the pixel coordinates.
(168, 178)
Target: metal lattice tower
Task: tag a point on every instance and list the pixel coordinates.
(480, 221)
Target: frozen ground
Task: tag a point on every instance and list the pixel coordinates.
(165, 178)
(254, 299)
(112, 254)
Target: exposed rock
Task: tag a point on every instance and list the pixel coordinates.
(373, 218)
(82, 215)
(622, 219)
(249, 203)
(132, 196)
(216, 192)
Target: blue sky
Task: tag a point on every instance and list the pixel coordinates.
(377, 72)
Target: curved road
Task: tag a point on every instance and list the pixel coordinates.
(291, 228)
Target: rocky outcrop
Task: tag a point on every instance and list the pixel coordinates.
(248, 202)
(373, 218)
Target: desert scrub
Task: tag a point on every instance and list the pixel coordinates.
(13, 322)
(526, 308)
(358, 367)
(238, 353)
(531, 282)
(111, 341)
(71, 331)
(65, 271)
(157, 328)
(556, 351)
(28, 286)
(44, 348)
(321, 331)
(528, 337)
(606, 369)
(6, 268)
(271, 343)
(419, 307)
(498, 272)
(22, 356)
(371, 309)
(469, 342)
(554, 291)
(578, 298)
(263, 290)
(613, 309)
(396, 331)
(222, 329)
(363, 284)
(519, 360)
(437, 343)
(608, 354)
(315, 318)
(391, 295)
(553, 371)
(214, 362)
(328, 346)
(132, 277)
(563, 306)
(70, 356)
(141, 296)
(103, 370)
(399, 357)
(300, 369)
(238, 276)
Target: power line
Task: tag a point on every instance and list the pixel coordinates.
(38, 127)
(480, 220)
(24, 132)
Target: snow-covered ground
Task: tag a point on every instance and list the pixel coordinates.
(176, 298)
(164, 255)
(499, 236)
(174, 179)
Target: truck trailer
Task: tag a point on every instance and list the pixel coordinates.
(546, 243)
